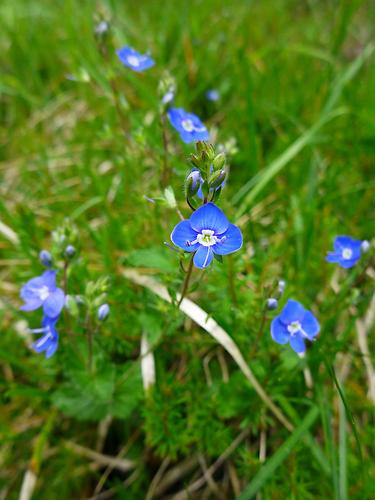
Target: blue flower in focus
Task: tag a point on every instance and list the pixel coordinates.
(49, 341)
(188, 125)
(212, 95)
(347, 251)
(206, 233)
(197, 179)
(134, 60)
(294, 324)
(42, 292)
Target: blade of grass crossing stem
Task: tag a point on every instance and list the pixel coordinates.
(269, 172)
(345, 77)
(278, 458)
(255, 185)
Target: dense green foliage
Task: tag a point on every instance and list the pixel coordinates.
(297, 86)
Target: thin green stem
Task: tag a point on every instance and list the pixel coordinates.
(186, 281)
(165, 175)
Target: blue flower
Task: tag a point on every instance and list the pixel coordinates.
(197, 180)
(48, 343)
(42, 292)
(212, 95)
(294, 324)
(134, 59)
(347, 251)
(205, 233)
(187, 125)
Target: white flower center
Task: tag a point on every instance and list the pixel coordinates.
(43, 292)
(133, 60)
(207, 238)
(294, 327)
(187, 125)
(347, 253)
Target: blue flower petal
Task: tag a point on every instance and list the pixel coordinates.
(310, 325)
(203, 257)
(293, 311)
(297, 343)
(232, 241)
(134, 60)
(43, 343)
(347, 263)
(54, 303)
(342, 242)
(50, 351)
(333, 257)
(209, 216)
(182, 233)
(49, 279)
(31, 304)
(279, 332)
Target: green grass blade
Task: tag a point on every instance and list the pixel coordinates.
(278, 458)
(264, 177)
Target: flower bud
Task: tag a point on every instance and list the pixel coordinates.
(217, 178)
(70, 251)
(365, 246)
(212, 95)
(45, 258)
(281, 286)
(272, 304)
(219, 161)
(103, 312)
(192, 183)
(101, 28)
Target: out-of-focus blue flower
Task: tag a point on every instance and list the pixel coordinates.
(45, 258)
(212, 95)
(188, 125)
(205, 233)
(347, 251)
(134, 60)
(197, 180)
(42, 292)
(294, 324)
(49, 341)
(281, 286)
(103, 312)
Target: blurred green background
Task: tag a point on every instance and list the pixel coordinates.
(80, 139)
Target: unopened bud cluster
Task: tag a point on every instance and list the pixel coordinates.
(208, 175)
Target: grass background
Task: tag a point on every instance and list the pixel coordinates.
(297, 82)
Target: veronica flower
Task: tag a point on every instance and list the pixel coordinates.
(134, 60)
(206, 233)
(197, 180)
(103, 312)
(42, 292)
(294, 324)
(49, 341)
(187, 125)
(347, 251)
